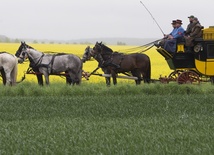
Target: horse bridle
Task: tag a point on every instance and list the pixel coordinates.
(97, 55)
(22, 55)
(25, 51)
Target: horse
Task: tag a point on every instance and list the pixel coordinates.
(34, 68)
(8, 68)
(52, 63)
(137, 63)
(87, 56)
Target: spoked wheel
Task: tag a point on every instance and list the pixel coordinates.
(174, 75)
(188, 77)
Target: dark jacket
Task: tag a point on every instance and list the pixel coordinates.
(196, 31)
(189, 28)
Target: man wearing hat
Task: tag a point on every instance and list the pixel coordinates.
(195, 32)
(167, 36)
(190, 25)
(170, 44)
(173, 31)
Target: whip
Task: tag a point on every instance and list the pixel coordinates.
(152, 17)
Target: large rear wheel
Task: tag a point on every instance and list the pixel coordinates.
(188, 77)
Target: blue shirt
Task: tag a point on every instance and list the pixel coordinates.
(179, 32)
(174, 31)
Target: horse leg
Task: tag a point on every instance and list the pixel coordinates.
(8, 79)
(114, 74)
(147, 75)
(39, 79)
(108, 81)
(46, 75)
(47, 79)
(68, 78)
(13, 74)
(78, 77)
(39, 76)
(3, 77)
(75, 76)
(136, 73)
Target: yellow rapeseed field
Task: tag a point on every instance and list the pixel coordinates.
(158, 63)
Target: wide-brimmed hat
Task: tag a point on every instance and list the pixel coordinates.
(191, 16)
(173, 22)
(178, 21)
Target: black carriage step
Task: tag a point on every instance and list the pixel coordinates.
(164, 53)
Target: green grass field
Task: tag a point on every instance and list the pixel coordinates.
(95, 119)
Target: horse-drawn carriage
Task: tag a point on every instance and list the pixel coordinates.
(188, 67)
(193, 66)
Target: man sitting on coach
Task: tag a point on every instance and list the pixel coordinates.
(167, 36)
(195, 32)
(170, 44)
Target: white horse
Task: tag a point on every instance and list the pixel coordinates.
(8, 68)
(52, 63)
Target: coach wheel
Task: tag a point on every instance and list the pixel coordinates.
(188, 77)
(174, 75)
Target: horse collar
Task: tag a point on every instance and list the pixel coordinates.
(39, 61)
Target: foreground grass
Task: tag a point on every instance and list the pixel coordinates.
(123, 88)
(94, 119)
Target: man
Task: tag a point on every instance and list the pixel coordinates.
(173, 31)
(195, 32)
(190, 25)
(170, 44)
(161, 43)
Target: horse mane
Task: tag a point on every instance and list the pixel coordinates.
(28, 46)
(58, 54)
(3, 52)
(106, 48)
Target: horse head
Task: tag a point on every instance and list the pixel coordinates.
(21, 52)
(18, 52)
(97, 47)
(103, 49)
(87, 54)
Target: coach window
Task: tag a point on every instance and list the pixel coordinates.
(210, 51)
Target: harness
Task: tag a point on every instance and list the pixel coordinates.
(38, 64)
(109, 61)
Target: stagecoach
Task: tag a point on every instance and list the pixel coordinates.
(194, 66)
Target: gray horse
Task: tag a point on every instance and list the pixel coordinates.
(49, 64)
(8, 68)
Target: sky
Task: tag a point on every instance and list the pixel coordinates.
(82, 19)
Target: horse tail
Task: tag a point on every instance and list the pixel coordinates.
(79, 66)
(148, 72)
(14, 73)
(80, 70)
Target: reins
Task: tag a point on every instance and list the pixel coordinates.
(140, 49)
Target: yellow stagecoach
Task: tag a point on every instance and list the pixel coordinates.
(194, 66)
